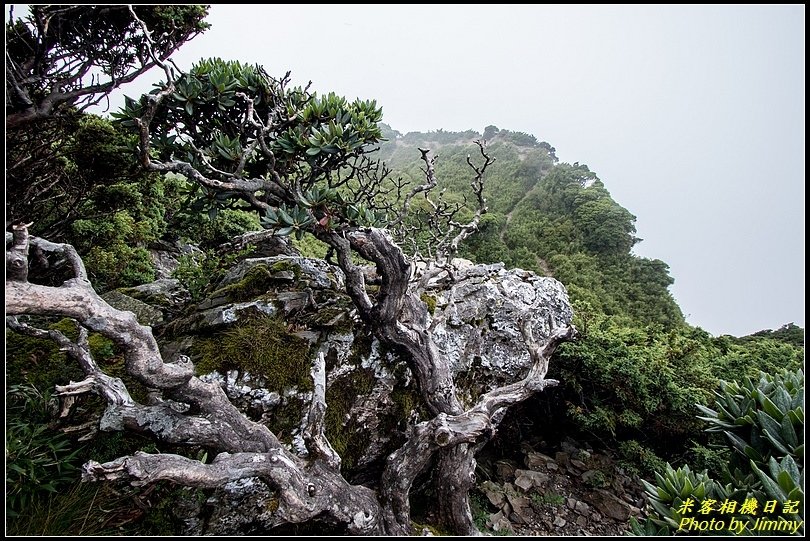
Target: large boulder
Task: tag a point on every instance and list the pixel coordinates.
(257, 333)
(476, 322)
(144, 312)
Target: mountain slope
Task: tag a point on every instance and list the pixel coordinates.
(548, 217)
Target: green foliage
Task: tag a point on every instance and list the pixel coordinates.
(199, 272)
(206, 111)
(327, 206)
(782, 480)
(762, 419)
(648, 528)
(52, 50)
(639, 458)
(309, 246)
(714, 458)
(321, 141)
(623, 381)
(95, 509)
(771, 455)
(430, 302)
(40, 363)
(440, 136)
(287, 221)
(67, 511)
(38, 458)
(256, 282)
(554, 219)
(790, 334)
(480, 509)
(672, 489)
(119, 266)
(208, 230)
(192, 274)
(97, 199)
(549, 498)
(747, 357)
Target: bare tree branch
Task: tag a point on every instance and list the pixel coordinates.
(447, 431)
(304, 493)
(314, 438)
(17, 254)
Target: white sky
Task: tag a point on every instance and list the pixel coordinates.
(692, 116)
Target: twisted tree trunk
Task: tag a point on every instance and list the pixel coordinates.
(308, 486)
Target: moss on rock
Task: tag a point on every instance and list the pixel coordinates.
(262, 346)
(257, 280)
(430, 302)
(348, 440)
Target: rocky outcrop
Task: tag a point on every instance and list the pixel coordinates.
(268, 317)
(575, 492)
(146, 313)
(476, 322)
(166, 256)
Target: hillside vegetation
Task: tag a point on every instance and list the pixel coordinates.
(629, 384)
(634, 376)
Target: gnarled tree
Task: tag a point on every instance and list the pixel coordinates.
(303, 161)
(61, 60)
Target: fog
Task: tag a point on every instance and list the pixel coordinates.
(692, 116)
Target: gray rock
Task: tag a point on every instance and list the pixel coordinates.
(475, 324)
(165, 293)
(499, 522)
(166, 257)
(578, 464)
(562, 459)
(505, 469)
(610, 505)
(528, 479)
(146, 314)
(219, 316)
(241, 506)
(538, 461)
(593, 477)
(581, 507)
(522, 511)
(494, 493)
(316, 273)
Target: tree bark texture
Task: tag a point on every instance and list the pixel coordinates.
(195, 412)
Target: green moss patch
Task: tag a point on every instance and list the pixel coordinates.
(256, 281)
(264, 347)
(348, 440)
(430, 302)
(39, 361)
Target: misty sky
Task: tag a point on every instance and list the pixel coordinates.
(692, 116)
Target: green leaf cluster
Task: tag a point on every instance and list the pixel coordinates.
(763, 421)
(769, 412)
(39, 459)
